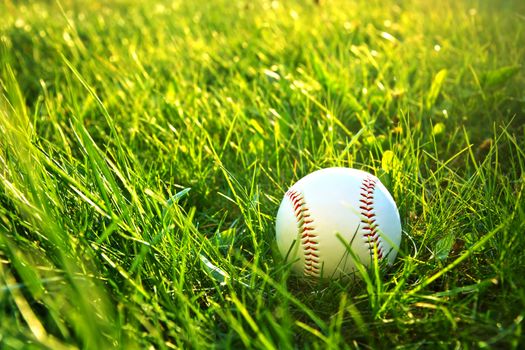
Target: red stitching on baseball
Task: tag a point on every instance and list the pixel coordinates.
(307, 233)
(368, 216)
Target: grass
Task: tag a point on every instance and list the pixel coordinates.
(145, 148)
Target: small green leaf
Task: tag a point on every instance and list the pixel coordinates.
(499, 76)
(389, 161)
(435, 88)
(439, 128)
(443, 246)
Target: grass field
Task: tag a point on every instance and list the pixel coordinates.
(145, 148)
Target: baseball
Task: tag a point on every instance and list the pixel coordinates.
(331, 202)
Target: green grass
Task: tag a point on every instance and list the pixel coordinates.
(145, 147)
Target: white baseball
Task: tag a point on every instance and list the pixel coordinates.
(337, 201)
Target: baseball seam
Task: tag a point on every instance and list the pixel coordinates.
(368, 217)
(309, 238)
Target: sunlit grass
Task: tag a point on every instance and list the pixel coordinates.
(145, 147)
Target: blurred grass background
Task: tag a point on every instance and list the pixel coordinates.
(145, 147)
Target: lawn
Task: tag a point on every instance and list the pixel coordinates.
(145, 147)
